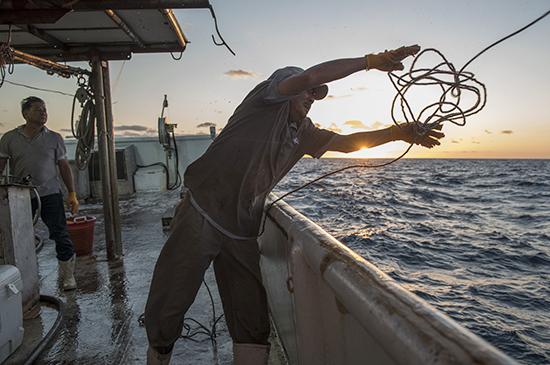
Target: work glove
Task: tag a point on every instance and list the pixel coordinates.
(391, 60)
(73, 203)
(409, 132)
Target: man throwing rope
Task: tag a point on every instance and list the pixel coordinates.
(219, 218)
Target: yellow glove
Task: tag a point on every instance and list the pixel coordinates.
(72, 201)
(391, 60)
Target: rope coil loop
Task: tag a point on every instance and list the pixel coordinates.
(461, 94)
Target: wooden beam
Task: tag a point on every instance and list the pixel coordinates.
(125, 27)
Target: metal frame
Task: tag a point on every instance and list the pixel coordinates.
(23, 15)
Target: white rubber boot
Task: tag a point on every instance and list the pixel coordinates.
(66, 271)
(156, 358)
(250, 354)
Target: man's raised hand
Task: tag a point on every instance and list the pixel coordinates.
(391, 60)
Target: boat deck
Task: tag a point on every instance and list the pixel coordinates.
(101, 317)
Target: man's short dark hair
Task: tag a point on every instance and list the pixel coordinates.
(27, 102)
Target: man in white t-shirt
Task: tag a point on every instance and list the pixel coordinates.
(34, 150)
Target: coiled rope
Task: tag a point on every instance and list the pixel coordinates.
(84, 130)
(6, 58)
(447, 108)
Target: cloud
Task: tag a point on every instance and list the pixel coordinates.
(455, 141)
(488, 131)
(206, 124)
(134, 130)
(130, 134)
(240, 74)
(358, 88)
(318, 125)
(357, 124)
(476, 142)
(507, 131)
(332, 97)
(333, 127)
(379, 125)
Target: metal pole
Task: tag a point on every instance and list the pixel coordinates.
(97, 84)
(117, 248)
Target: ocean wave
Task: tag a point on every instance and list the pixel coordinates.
(468, 236)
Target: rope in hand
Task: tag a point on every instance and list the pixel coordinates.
(454, 87)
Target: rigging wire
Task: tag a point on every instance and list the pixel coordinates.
(38, 88)
(433, 115)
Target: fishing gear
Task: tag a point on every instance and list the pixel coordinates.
(83, 129)
(452, 83)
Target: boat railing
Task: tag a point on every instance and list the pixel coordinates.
(331, 306)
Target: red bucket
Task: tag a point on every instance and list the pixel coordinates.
(81, 231)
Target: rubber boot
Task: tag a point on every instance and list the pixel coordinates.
(250, 354)
(156, 358)
(66, 272)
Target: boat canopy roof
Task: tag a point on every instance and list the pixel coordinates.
(78, 30)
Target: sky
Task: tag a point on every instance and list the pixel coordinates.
(208, 82)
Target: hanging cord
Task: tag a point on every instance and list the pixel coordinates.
(84, 131)
(222, 43)
(178, 181)
(441, 111)
(194, 328)
(6, 58)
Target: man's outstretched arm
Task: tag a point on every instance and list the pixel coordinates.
(406, 132)
(338, 69)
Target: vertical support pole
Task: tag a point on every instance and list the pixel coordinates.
(117, 247)
(97, 85)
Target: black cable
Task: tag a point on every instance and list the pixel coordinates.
(178, 181)
(441, 111)
(194, 328)
(178, 57)
(43, 344)
(222, 43)
(38, 243)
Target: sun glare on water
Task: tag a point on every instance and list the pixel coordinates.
(376, 152)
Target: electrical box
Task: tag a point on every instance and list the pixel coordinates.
(11, 311)
(125, 169)
(149, 179)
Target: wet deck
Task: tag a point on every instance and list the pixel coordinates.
(101, 317)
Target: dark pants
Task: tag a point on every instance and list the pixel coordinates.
(193, 244)
(53, 215)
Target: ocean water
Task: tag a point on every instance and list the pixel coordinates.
(471, 237)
